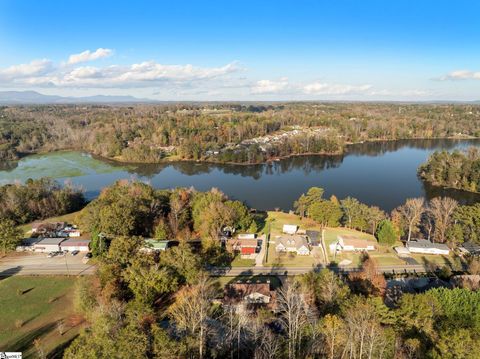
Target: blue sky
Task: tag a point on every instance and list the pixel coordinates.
(244, 50)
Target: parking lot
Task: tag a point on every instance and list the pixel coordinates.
(40, 264)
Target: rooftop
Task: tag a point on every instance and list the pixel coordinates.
(423, 243)
(154, 244)
(53, 241)
(76, 242)
(292, 240)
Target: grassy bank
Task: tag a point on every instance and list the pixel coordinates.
(32, 308)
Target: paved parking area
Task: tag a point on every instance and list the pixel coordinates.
(40, 264)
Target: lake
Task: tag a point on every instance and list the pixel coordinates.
(377, 173)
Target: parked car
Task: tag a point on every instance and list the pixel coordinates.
(52, 254)
(75, 252)
(86, 257)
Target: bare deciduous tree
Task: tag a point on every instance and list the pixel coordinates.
(192, 309)
(412, 212)
(295, 315)
(442, 209)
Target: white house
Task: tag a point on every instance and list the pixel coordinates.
(290, 228)
(48, 245)
(350, 243)
(82, 245)
(293, 243)
(426, 247)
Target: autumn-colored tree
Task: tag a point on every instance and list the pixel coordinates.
(368, 281)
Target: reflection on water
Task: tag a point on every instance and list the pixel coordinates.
(380, 173)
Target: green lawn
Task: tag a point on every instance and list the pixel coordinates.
(70, 218)
(432, 259)
(238, 261)
(31, 307)
(331, 235)
(278, 219)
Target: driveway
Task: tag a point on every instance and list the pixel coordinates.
(261, 255)
(39, 264)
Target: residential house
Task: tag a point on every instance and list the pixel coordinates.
(250, 294)
(350, 243)
(248, 248)
(426, 247)
(153, 245)
(293, 243)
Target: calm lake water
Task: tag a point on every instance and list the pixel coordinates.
(381, 173)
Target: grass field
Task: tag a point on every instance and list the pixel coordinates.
(432, 259)
(70, 218)
(31, 307)
(238, 261)
(288, 259)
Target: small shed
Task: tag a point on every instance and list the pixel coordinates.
(247, 236)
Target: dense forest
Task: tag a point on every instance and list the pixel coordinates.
(223, 132)
(457, 169)
(38, 199)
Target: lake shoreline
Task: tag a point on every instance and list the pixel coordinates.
(376, 173)
(166, 160)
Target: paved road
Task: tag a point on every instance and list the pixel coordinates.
(39, 264)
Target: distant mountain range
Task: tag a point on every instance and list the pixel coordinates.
(33, 97)
(36, 98)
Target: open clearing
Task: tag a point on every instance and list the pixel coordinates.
(31, 308)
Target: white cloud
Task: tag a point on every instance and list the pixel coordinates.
(320, 88)
(144, 74)
(461, 75)
(269, 86)
(89, 56)
(33, 68)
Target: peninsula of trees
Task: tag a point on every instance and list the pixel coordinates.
(460, 170)
(240, 133)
